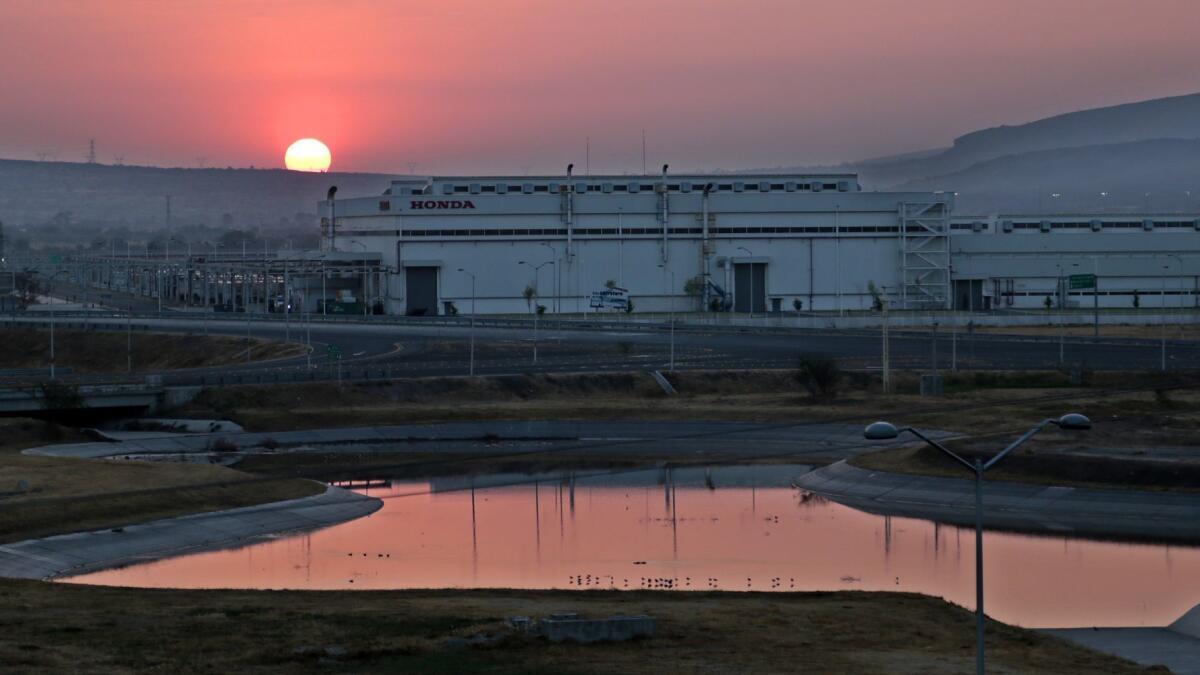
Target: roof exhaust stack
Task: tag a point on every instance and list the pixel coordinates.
(664, 173)
(569, 167)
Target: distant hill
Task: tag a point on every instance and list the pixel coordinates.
(66, 192)
(1126, 150)
(1075, 178)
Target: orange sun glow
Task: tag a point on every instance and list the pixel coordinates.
(307, 154)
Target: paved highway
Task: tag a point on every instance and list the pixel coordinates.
(425, 348)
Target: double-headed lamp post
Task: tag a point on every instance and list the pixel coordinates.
(880, 431)
(472, 371)
(51, 281)
(536, 270)
(671, 315)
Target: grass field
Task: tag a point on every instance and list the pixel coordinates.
(107, 630)
(1083, 328)
(108, 351)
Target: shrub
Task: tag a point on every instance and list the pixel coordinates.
(797, 304)
(820, 376)
(224, 445)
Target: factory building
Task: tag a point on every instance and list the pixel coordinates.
(761, 243)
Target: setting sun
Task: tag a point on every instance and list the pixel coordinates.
(307, 154)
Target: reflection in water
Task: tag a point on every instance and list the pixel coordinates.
(731, 528)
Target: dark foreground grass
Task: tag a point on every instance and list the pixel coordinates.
(60, 628)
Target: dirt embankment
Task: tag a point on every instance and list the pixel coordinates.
(109, 351)
(40, 496)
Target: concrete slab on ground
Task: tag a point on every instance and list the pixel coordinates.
(1145, 646)
(1021, 506)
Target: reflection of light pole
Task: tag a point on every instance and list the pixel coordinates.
(472, 371)
(886, 431)
(671, 313)
(743, 248)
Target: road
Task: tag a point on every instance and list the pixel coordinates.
(414, 348)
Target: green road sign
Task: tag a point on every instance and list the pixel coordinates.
(333, 351)
(1077, 281)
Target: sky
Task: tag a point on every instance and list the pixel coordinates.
(527, 86)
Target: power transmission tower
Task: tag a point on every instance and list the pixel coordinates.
(91, 156)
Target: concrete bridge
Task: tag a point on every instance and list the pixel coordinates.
(59, 399)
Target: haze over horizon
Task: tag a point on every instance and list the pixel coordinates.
(482, 87)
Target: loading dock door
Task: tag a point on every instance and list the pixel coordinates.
(750, 279)
(421, 284)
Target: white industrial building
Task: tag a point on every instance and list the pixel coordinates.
(742, 243)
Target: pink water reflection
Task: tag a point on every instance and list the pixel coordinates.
(737, 538)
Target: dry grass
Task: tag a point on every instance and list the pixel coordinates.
(1174, 331)
(106, 351)
(50, 627)
(73, 495)
(976, 403)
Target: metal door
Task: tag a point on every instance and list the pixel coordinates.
(421, 290)
(750, 279)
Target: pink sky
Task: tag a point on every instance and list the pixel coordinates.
(514, 86)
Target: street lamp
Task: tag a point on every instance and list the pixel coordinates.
(880, 431)
(536, 270)
(671, 314)
(557, 278)
(364, 248)
(50, 281)
(743, 248)
(1062, 329)
(472, 371)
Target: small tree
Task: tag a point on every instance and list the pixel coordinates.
(820, 376)
(541, 309)
(1137, 299)
(694, 287)
(876, 296)
(629, 306)
(797, 304)
(529, 294)
(1048, 303)
(610, 284)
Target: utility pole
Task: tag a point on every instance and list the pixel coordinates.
(472, 366)
(885, 352)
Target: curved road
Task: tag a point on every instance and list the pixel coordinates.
(416, 348)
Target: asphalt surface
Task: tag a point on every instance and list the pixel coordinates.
(82, 552)
(1026, 507)
(416, 349)
(1145, 646)
(733, 440)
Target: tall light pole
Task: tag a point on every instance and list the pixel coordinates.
(364, 248)
(1062, 329)
(886, 431)
(557, 277)
(536, 270)
(671, 314)
(472, 370)
(743, 248)
(52, 357)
